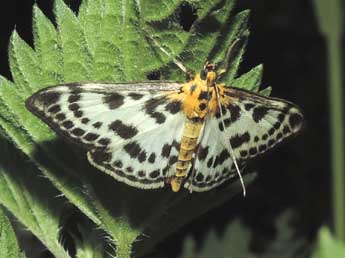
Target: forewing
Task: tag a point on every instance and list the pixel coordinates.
(132, 131)
(253, 124)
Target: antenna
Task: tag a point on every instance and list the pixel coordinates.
(175, 61)
(229, 55)
(231, 151)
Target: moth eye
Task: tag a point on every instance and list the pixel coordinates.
(203, 74)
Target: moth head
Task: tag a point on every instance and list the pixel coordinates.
(208, 73)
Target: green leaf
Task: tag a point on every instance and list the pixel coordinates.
(204, 35)
(266, 92)
(89, 242)
(22, 59)
(47, 47)
(234, 243)
(235, 28)
(76, 56)
(165, 8)
(251, 80)
(8, 120)
(8, 242)
(328, 246)
(33, 202)
(236, 239)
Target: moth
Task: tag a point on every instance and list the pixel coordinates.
(195, 135)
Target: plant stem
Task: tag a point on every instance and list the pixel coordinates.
(329, 14)
(337, 135)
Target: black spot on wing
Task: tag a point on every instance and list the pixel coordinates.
(224, 111)
(123, 130)
(151, 104)
(277, 125)
(104, 141)
(100, 157)
(210, 162)
(199, 177)
(219, 160)
(60, 116)
(281, 117)
(135, 95)
(165, 170)
(259, 113)
(97, 125)
(248, 106)
(208, 178)
(295, 121)
(159, 117)
(48, 98)
(253, 151)
(73, 98)
(243, 153)
(142, 156)
(74, 107)
(113, 100)
(166, 150)
(150, 107)
(224, 155)
(173, 160)
(237, 140)
(235, 112)
(78, 113)
(202, 153)
(286, 130)
(262, 147)
(67, 124)
(176, 145)
(133, 149)
(54, 109)
(152, 158)
(271, 131)
(78, 132)
(174, 106)
(85, 120)
(91, 137)
(227, 122)
(129, 169)
(154, 174)
(118, 163)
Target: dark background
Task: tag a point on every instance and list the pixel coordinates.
(285, 38)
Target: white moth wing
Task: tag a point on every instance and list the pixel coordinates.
(132, 131)
(212, 162)
(254, 124)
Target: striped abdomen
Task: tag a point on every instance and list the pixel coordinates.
(188, 146)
